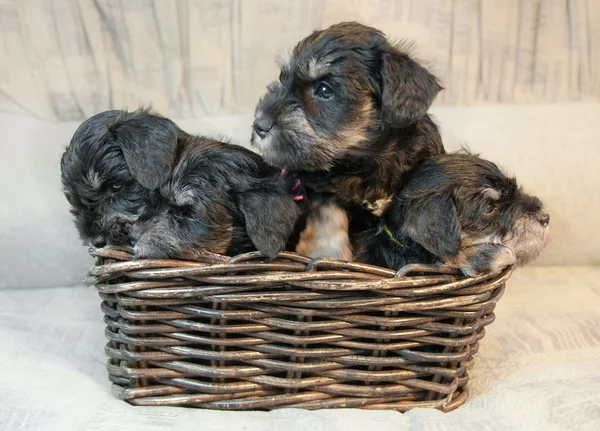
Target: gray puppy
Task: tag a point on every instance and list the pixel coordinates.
(349, 117)
(460, 210)
(135, 178)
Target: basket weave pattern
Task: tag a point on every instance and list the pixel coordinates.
(255, 334)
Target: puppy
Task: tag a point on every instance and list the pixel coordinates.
(349, 115)
(460, 210)
(135, 178)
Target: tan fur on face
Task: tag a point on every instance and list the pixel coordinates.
(356, 133)
(467, 239)
(297, 119)
(350, 136)
(94, 181)
(525, 241)
(316, 69)
(284, 58)
(491, 193)
(527, 238)
(325, 150)
(326, 233)
(504, 258)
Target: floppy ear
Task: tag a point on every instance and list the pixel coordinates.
(431, 221)
(408, 89)
(270, 219)
(149, 145)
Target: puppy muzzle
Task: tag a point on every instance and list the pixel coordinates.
(262, 127)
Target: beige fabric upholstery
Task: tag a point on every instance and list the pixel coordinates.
(69, 59)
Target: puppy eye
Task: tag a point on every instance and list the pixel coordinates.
(324, 91)
(115, 187)
(490, 208)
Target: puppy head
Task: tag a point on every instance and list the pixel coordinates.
(111, 166)
(343, 88)
(459, 202)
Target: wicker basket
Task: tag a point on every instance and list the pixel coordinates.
(248, 333)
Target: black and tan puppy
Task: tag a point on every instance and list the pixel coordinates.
(135, 178)
(460, 210)
(349, 116)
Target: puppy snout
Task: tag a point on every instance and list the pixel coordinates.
(99, 242)
(544, 218)
(262, 126)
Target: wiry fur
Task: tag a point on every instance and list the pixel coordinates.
(357, 145)
(135, 178)
(460, 210)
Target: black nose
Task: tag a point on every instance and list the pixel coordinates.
(99, 242)
(262, 127)
(544, 218)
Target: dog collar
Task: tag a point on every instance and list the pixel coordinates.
(387, 230)
(298, 192)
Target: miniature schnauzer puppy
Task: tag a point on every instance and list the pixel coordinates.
(349, 117)
(135, 178)
(462, 211)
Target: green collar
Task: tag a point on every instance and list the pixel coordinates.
(391, 236)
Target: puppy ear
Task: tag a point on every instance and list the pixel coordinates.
(270, 219)
(408, 89)
(149, 145)
(431, 221)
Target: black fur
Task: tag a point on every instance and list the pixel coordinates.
(135, 178)
(460, 210)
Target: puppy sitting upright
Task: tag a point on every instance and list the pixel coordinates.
(349, 114)
(134, 178)
(459, 210)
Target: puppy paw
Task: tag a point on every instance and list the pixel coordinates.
(145, 251)
(152, 248)
(199, 254)
(483, 258)
(503, 258)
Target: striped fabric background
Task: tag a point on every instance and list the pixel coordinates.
(68, 59)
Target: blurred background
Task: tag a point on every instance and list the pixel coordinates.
(521, 78)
